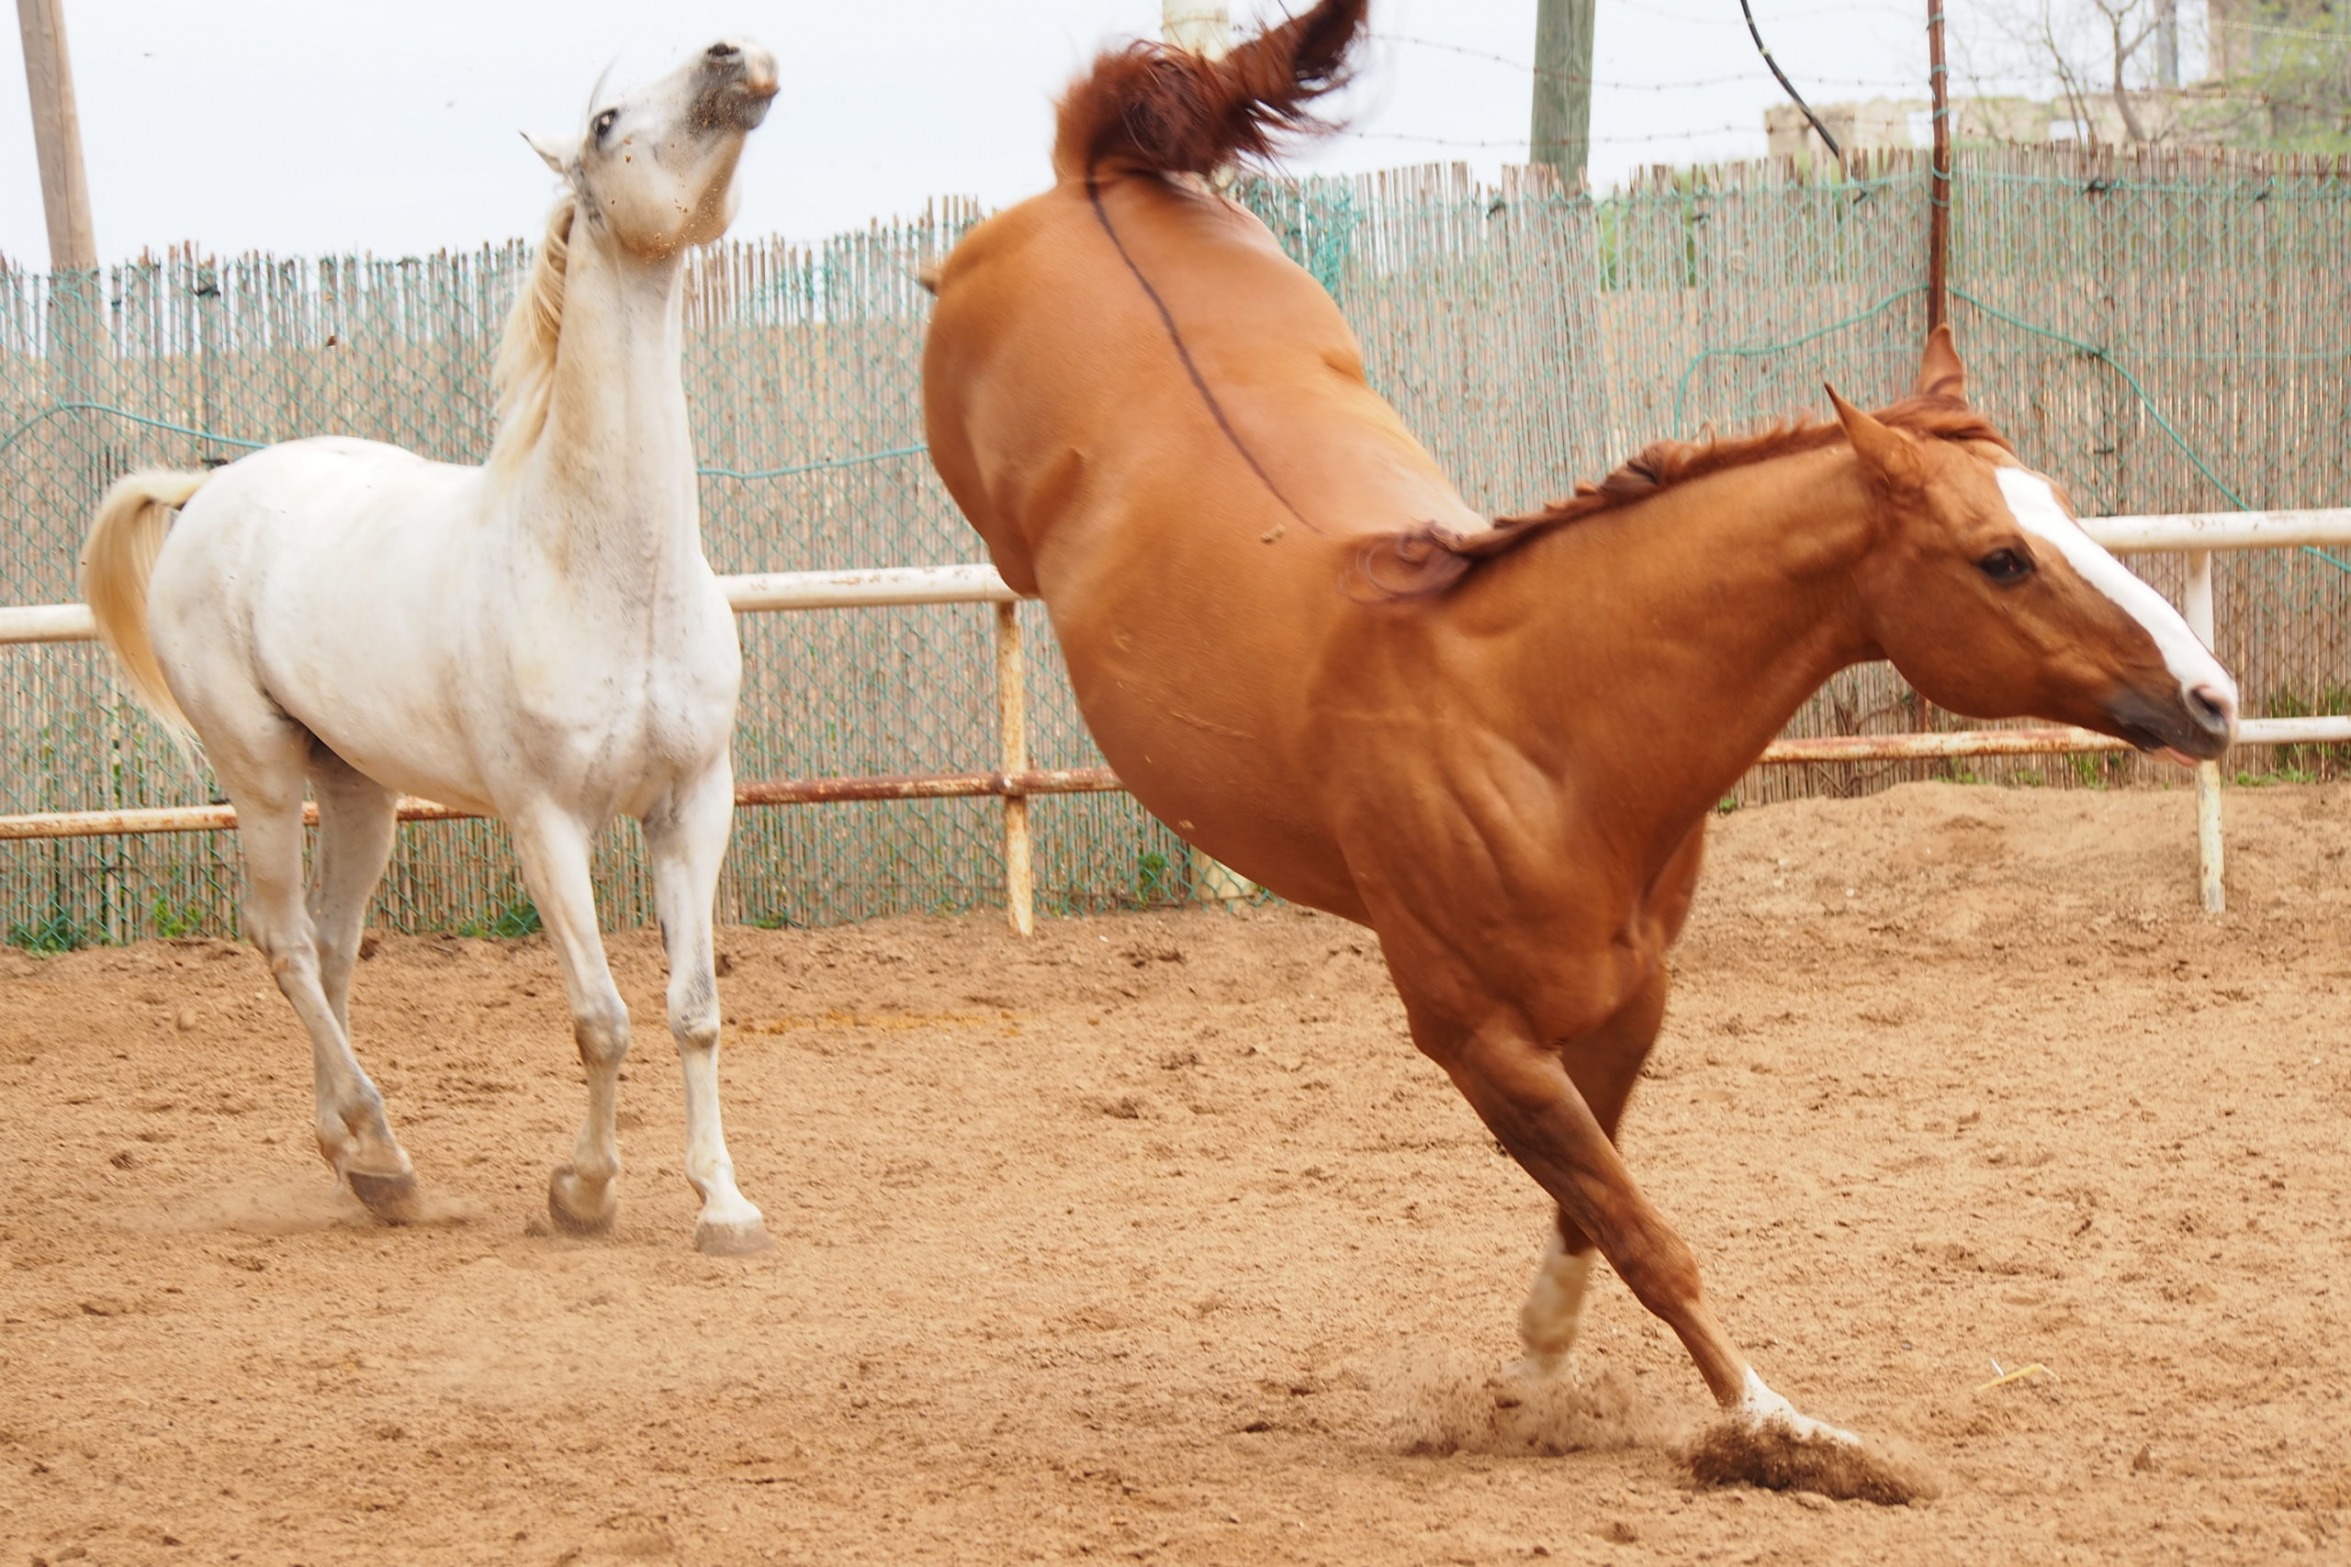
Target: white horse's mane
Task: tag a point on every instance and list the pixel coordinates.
(523, 377)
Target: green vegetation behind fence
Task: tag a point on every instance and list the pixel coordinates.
(2161, 334)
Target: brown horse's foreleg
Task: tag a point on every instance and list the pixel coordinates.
(1603, 1065)
(1523, 1092)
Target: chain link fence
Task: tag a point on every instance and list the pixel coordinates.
(2160, 334)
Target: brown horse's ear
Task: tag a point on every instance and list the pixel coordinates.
(1887, 455)
(1939, 373)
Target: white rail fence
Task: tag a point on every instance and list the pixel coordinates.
(2197, 535)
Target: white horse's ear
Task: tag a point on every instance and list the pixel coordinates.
(550, 150)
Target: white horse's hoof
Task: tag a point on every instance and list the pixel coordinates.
(575, 1212)
(391, 1198)
(747, 1238)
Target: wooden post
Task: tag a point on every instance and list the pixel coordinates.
(1202, 26)
(2208, 839)
(1012, 723)
(57, 136)
(78, 354)
(1561, 131)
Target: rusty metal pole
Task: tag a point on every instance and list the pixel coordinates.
(1939, 176)
(1938, 232)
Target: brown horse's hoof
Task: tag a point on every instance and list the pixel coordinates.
(391, 1198)
(1773, 1455)
(732, 1240)
(575, 1215)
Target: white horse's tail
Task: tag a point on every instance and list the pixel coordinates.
(117, 560)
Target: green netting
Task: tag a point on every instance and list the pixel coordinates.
(2160, 334)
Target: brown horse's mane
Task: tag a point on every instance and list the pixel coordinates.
(1424, 562)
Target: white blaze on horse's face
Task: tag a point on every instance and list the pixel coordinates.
(657, 167)
(2206, 689)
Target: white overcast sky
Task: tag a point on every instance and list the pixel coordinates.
(315, 126)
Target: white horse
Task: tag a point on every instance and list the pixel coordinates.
(540, 639)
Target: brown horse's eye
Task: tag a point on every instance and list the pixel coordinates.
(2006, 565)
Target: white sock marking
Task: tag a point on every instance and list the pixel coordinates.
(1554, 1308)
(1762, 1407)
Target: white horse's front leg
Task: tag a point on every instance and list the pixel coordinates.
(553, 849)
(686, 839)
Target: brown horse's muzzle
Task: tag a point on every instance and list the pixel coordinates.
(2198, 723)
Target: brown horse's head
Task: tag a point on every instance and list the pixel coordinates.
(1992, 601)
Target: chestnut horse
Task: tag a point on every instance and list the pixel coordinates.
(1497, 745)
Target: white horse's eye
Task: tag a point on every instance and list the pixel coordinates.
(604, 122)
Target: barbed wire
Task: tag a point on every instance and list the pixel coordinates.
(1691, 85)
(2313, 35)
(1521, 141)
(1783, 16)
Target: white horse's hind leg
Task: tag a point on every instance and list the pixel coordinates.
(554, 854)
(262, 773)
(357, 818)
(686, 842)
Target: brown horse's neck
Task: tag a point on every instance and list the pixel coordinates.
(1685, 631)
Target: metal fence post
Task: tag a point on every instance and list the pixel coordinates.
(1012, 722)
(2208, 840)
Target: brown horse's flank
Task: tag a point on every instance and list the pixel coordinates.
(1424, 562)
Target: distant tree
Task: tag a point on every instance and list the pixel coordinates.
(2296, 56)
(2090, 55)
(2278, 71)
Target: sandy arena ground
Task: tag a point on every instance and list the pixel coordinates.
(1153, 1238)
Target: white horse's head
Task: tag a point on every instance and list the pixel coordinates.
(656, 169)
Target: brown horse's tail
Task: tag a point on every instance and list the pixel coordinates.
(1151, 107)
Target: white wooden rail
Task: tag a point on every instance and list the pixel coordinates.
(2197, 535)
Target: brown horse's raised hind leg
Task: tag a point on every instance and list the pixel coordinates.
(1525, 1095)
(1523, 1092)
(1603, 1065)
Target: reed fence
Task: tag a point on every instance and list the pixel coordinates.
(2163, 334)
